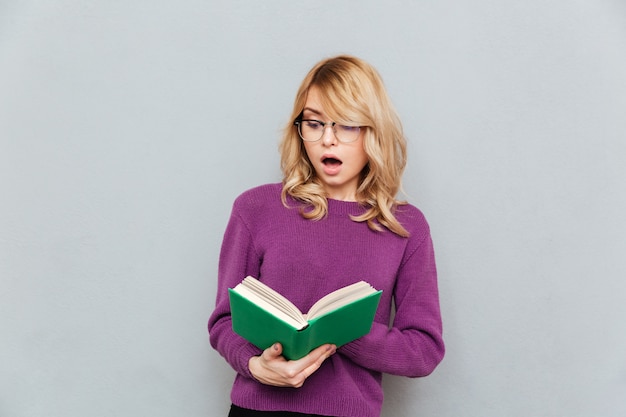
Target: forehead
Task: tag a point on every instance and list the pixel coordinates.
(313, 103)
(327, 104)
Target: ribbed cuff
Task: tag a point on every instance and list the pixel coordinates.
(243, 358)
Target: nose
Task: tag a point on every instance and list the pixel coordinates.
(328, 137)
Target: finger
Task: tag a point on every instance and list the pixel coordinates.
(315, 358)
(321, 352)
(273, 351)
(295, 372)
(313, 367)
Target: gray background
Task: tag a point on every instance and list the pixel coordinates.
(128, 127)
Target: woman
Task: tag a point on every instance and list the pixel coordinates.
(333, 220)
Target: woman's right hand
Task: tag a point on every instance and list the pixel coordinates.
(271, 368)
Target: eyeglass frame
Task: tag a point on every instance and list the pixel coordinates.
(298, 124)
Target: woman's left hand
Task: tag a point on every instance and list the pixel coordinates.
(271, 368)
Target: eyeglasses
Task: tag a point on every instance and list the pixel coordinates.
(312, 130)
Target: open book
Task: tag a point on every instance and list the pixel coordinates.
(263, 316)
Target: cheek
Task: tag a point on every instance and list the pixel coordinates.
(364, 162)
(361, 156)
(308, 151)
(309, 155)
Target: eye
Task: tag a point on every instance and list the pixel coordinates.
(312, 124)
(348, 129)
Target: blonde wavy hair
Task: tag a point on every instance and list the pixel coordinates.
(352, 91)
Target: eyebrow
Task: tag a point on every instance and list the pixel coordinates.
(312, 111)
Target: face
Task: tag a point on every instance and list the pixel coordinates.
(338, 165)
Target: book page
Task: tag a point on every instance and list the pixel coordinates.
(272, 301)
(339, 298)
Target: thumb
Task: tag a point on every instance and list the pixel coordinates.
(274, 351)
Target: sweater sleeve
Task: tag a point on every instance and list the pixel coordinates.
(413, 346)
(238, 259)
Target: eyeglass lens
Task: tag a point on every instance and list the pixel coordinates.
(313, 130)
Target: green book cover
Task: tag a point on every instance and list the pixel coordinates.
(339, 326)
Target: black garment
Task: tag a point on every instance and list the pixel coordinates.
(244, 412)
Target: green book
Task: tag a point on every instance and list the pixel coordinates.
(263, 316)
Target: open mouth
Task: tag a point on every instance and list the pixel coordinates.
(331, 162)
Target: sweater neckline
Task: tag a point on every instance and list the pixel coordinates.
(345, 207)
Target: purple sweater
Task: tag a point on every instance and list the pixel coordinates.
(304, 260)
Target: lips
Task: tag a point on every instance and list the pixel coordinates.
(332, 164)
(331, 161)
